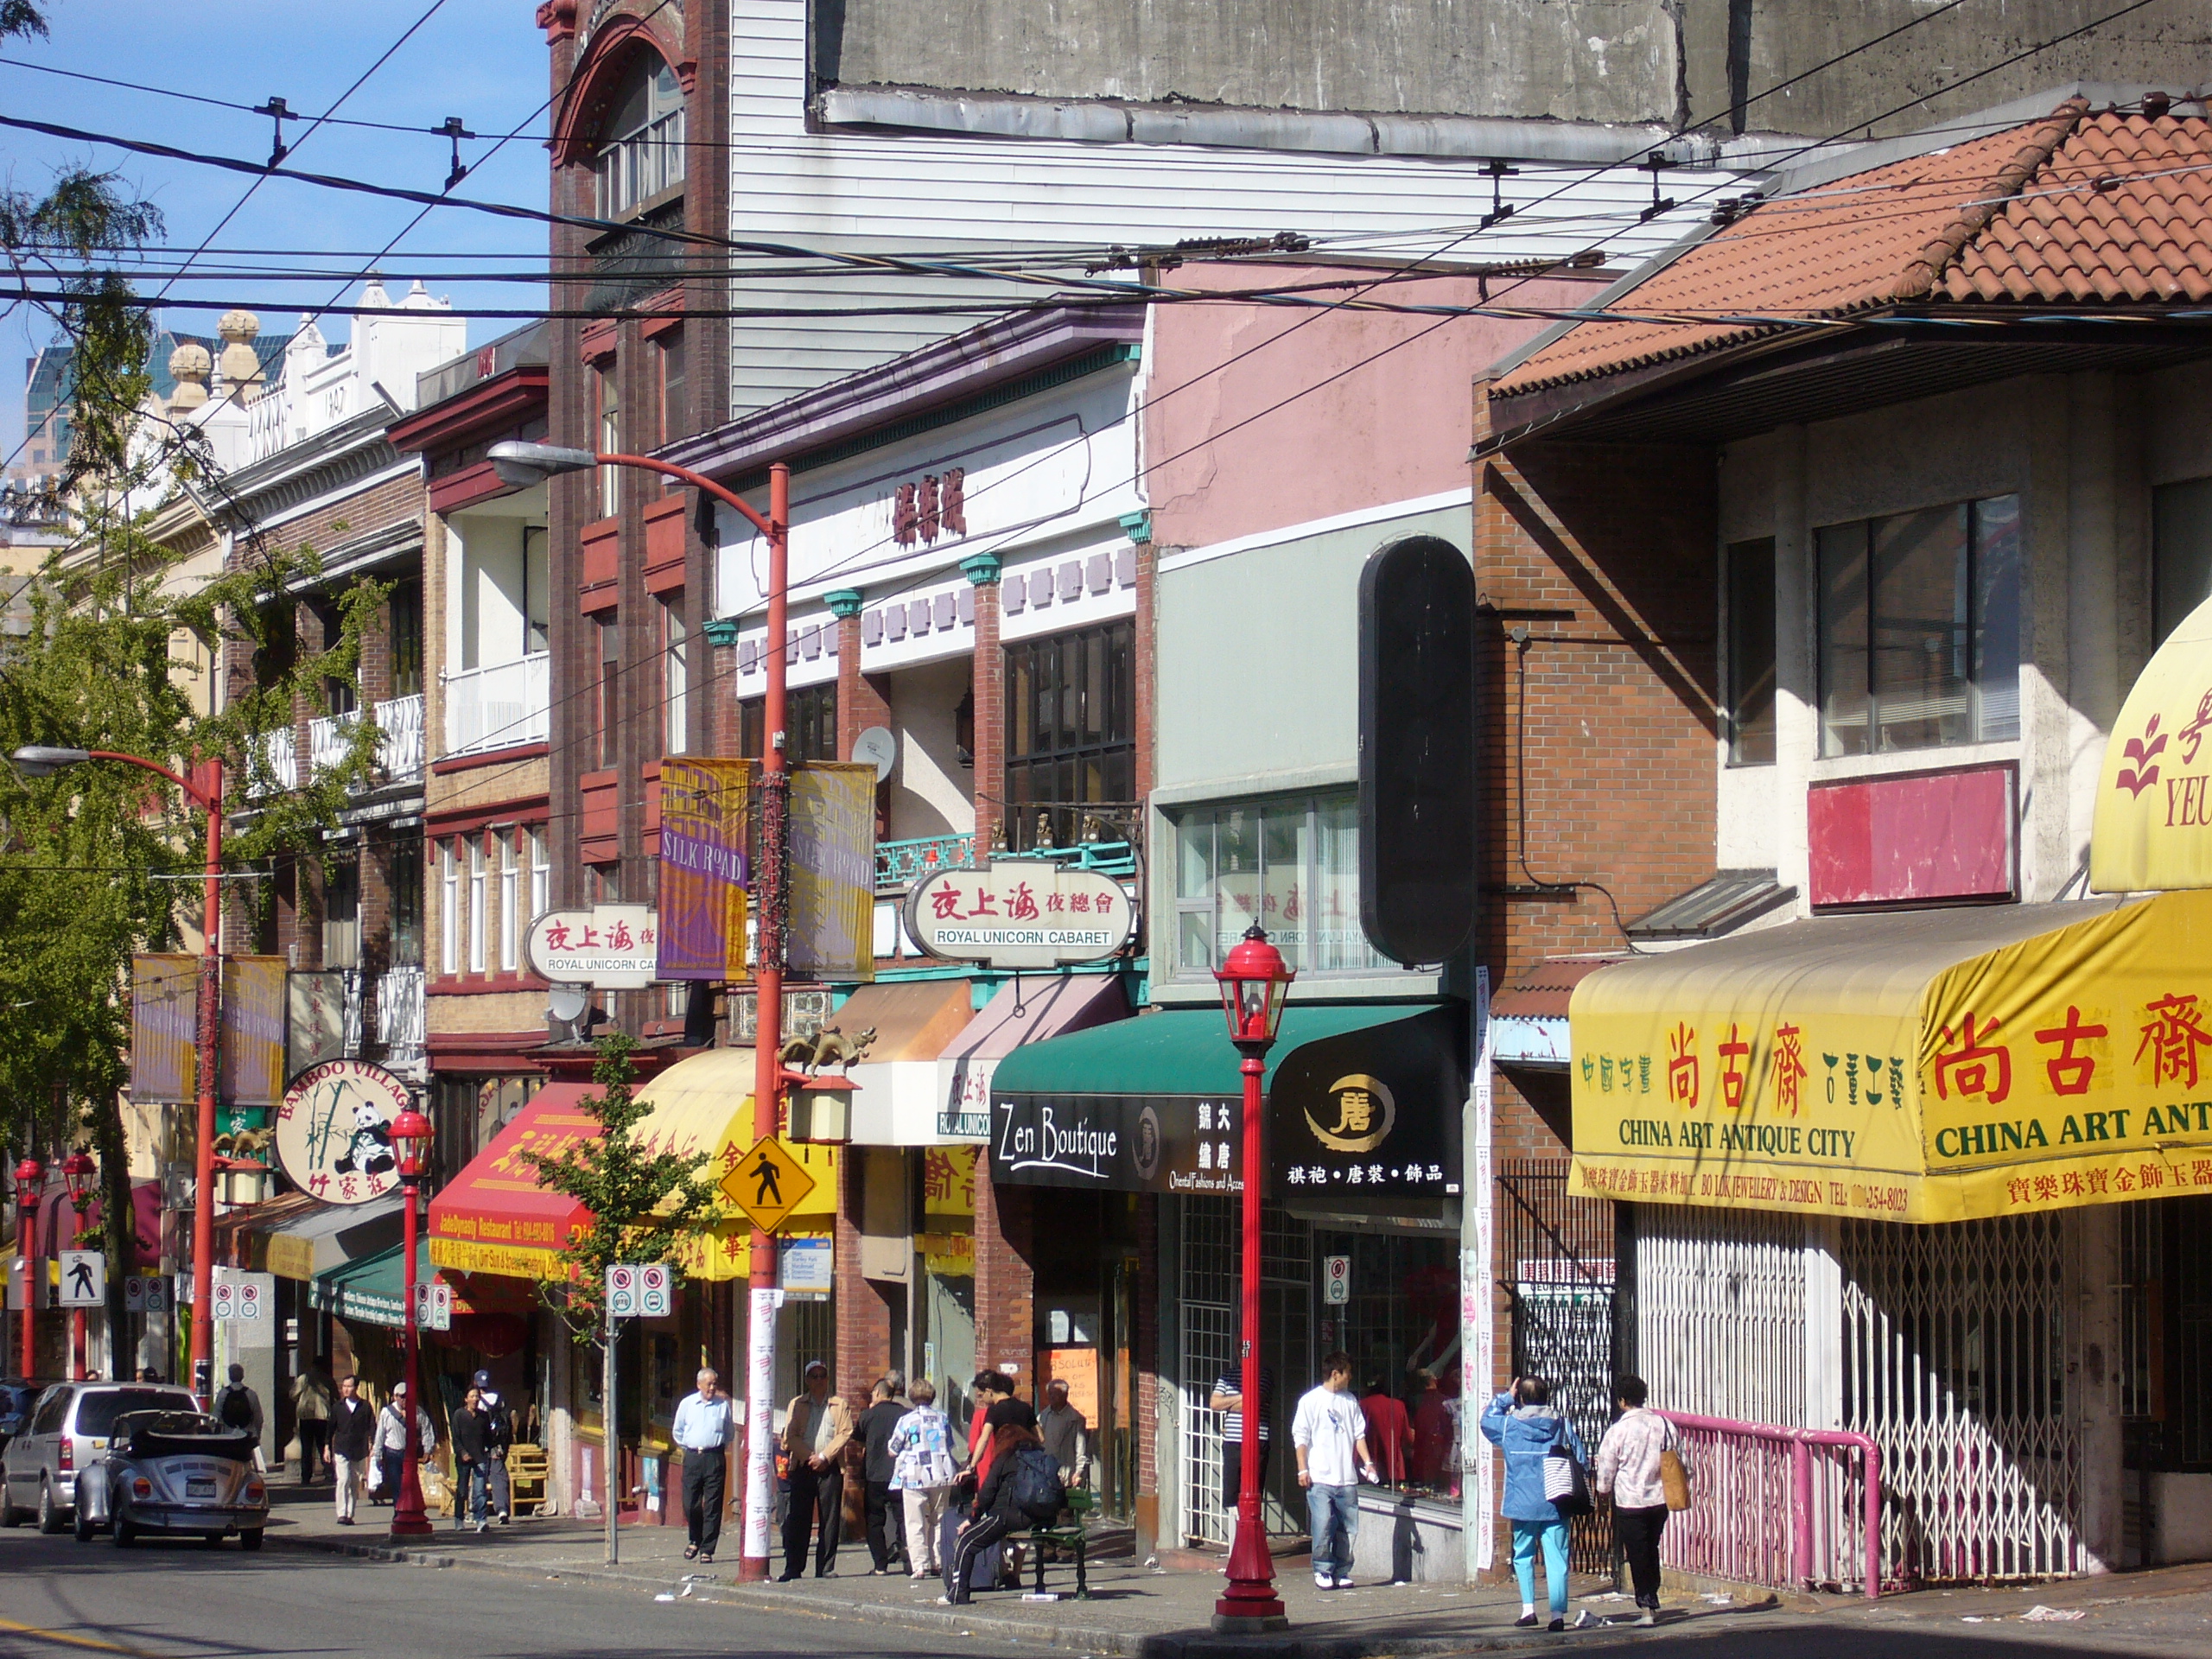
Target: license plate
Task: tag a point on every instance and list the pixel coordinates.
(200, 1489)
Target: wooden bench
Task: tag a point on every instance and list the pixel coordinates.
(1071, 1537)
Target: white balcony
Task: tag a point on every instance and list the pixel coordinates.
(400, 720)
(327, 736)
(399, 1016)
(499, 706)
(281, 750)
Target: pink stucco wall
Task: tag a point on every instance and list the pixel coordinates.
(1390, 429)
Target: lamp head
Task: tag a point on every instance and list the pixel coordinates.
(78, 1169)
(521, 464)
(30, 1175)
(1254, 981)
(410, 1138)
(43, 759)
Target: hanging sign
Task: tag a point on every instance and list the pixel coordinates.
(807, 1265)
(1021, 913)
(333, 1131)
(1335, 1280)
(767, 1183)
(164, 1021)
(433, 1304)
(832, 872)
(705, 859)
(615, 947)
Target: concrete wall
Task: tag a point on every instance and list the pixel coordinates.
(1675, 61)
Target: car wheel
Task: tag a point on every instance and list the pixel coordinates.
(49, 1512)
(250, 1539)
(81, 1525)
(10, 1515)
(124, 1533)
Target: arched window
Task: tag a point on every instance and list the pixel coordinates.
(642, 153)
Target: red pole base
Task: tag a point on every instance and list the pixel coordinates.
(1249, 1605)
(409, 1518)
(753, 1569)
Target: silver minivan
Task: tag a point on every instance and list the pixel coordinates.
(68, 1432)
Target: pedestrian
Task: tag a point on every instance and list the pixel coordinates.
(499, 1440)
(881, 1510)
(352, 1433)
(1007, 1500)
(1228, 1398)
(391, 1440)
(1329, 1433)
(471, 1461)
(1389, 1430)
(148, 1374)
(817, 1428)
(921, 1472)
(1064, 1432)
(239, 1407)
(313, 1395)
(1628, 1471)
(1522, 1424)
(705, 1425)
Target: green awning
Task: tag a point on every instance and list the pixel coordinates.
(373, 1290)
(1178, 1050)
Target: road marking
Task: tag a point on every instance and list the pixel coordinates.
(38, 1634)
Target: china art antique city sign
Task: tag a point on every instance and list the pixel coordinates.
(333, 1131)
(1020, 913)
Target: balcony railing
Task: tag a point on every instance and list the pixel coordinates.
(1107, 857)
(280, 748)
(327, 736)
(499, 706)
(899, 864)
(399, 1016)
(400, 720)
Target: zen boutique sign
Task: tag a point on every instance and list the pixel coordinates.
(1021, 913)
(615, 947)
(333, 1131)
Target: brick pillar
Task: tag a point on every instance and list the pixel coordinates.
(1144, 1362)
(990, 672)
(863, 1313)
(1006, 1280)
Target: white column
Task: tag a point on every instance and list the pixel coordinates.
(1824, 1323)
(1478, 1306)
(1796, 690)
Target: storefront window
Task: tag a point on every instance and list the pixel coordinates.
(1290, 864)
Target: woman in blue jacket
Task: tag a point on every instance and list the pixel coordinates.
(1524, 1425)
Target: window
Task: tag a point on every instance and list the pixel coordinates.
(342, 912)
(541, 875)
(1071, 732)
(476, 905)
(407, 639)
(1920, 629)
(1750, 653)
(642, 153)
(1291, 865)
(510, 903)
(675, 674)
(406, 903)
(2181, 553)
(610, 672)
(810, 724)
(673, 422)
(610, 438)
(448, 909)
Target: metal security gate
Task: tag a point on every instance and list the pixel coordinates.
(1557, 1252)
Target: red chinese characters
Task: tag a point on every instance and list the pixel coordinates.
(2171, 1036)
(1682, 1064)
(1789, 1066)
(2070, 1072)
(1977, 1066)
(1733, 1055)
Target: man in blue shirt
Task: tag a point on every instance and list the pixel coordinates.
(705, 1425)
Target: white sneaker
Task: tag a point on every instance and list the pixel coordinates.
(1323, 1582)
(1645, 1616)
(1345, 1582)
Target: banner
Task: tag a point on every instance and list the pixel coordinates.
(252, 1066)
(705, 861)
(832, 872)
(164, 1027)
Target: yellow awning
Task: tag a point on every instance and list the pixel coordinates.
(1932, 1065)
(2153, 830)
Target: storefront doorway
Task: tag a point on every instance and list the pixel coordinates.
(2165, 1334)
(1086, 1267)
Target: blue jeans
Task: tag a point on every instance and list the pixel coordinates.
(476, 1478)
(1552, 1535)
(1333, 1513)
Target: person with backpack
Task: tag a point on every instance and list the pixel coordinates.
(1022, 1489)
(499, 1440)
(1522, 1424)
(1631, 1470)
(239, 1407)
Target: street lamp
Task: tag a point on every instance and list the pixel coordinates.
(1254, 981)
(78, 1170)
(410, 1138)
(525, 464)
(204, 789)
(31, 1176)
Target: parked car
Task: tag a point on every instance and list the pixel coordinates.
(170, 1471)
(18, 1399)
(68, 1431)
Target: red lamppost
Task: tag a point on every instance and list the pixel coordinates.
(31, 1176)
(410, 1138)
(78, 1170)
(1254, 981)
(524, 464)
(205, 791)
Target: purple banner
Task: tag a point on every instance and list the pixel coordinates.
(705, 859)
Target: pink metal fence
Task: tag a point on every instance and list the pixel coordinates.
(1790, 1508)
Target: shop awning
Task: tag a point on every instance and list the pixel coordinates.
(898, 1090)
(373, 1290)
(493, 1216)
(1364, 1100)
(1021, 1011)
(2153, 829)
(330, 1234)
(1930, 1066)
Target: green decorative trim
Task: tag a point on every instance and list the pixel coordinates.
(1137, 525)
(720, 631)
(981, 568)
(843, 602)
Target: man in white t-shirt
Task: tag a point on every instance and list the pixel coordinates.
(1330, 1433)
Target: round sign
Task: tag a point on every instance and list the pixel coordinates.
(333, 1131)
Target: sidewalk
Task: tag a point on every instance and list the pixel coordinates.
(1135, 1612)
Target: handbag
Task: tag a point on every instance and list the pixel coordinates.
(1567, 1483)
(1674, 1476)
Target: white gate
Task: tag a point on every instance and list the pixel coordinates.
(1720, 1311)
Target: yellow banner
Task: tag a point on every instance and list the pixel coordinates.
(1935, 1066)
(512, 1261)
(2152, 829)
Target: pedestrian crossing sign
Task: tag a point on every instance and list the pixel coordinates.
(768, 1183)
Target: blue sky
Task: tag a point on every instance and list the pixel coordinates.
(484, 61)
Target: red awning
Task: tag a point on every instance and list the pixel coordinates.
(493, 1216)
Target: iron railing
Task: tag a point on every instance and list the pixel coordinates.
(1746, 1477)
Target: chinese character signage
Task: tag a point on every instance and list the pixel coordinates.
(1118, 1143)
(1019, 913)
(1362, 1120)
(333, 1131)
(615, 947)
(164, 1027)
(1931, 1066)
(832, 872)
(2154, 792)
(705, 809)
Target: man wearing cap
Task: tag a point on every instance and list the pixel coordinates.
(704, 1427)
(499, 1440)
(816, 1429)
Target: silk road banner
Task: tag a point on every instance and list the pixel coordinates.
(164, 1027)
(705, 861)
(1924, 1066)
(832, 872)
(252, 1062)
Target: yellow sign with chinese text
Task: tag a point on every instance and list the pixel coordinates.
(1930, 1066)
(2153, 829)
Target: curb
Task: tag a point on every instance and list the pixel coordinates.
(1117, 1644)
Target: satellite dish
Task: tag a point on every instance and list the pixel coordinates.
(567, 1003)
(878, 748)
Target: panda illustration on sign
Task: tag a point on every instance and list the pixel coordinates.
(369, 1152)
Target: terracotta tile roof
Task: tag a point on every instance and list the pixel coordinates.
(2079, 209)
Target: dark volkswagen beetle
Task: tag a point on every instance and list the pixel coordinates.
(174, 1471)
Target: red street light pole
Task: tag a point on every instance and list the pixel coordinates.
(524, 464)
(410, 1138)
(31, 1176)
(1254, 980)
(40, 760)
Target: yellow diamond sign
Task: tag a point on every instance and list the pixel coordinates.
(768, 1183)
